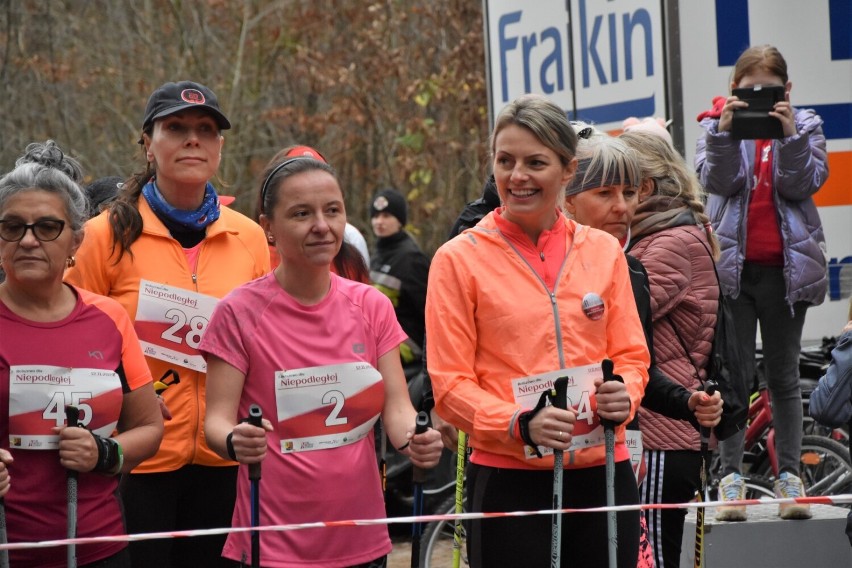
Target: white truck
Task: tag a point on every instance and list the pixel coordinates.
(607, 60)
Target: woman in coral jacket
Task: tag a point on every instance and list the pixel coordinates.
(525, 293)
(167, 252)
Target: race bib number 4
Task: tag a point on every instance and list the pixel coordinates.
(588, 430)
(38, 396)
(170, 322)
(329, 406)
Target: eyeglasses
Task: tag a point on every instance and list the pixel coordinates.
(44, 230)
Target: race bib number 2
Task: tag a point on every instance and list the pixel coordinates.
(328, 406)
(588, 430)
(170, 323)
(38, 396)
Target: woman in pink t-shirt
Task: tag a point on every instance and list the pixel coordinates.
(320, 355)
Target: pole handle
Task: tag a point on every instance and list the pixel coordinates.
(710, 388)
(559, 393)
(255, 418)
(608, 368)
(72, 415)
(421, 424)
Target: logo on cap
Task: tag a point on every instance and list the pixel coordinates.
(593, 306)
(381, 203)
(192, 96)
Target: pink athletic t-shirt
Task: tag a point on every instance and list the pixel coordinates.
(96, 335)
(259, 329)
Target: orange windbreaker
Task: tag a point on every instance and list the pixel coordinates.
(490, 319)
(233, 253)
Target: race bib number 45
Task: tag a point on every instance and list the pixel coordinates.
(170, 322)
(329, 406)
(38, 396)
(588, 430)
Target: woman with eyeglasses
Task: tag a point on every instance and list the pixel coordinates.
(168, 252)
(60, 346)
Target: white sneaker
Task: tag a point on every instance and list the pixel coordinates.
(731, 488)
(789, 486)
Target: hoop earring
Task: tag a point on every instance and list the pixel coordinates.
(271, 239)
(71, 262)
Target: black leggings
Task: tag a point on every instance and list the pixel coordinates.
(525, 541)
(192, 497)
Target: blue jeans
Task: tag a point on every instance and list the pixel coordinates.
(762, 301)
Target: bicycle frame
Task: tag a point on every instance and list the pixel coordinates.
(760, 425)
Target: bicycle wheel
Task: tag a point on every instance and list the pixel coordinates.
(436, 549)
(758, 487)
(825, 466)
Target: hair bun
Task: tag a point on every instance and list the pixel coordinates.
(50, 155)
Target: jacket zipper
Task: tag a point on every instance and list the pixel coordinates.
(196, 419)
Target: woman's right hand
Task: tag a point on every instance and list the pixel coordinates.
(5, 479)
(727, 117)
(552, 427)
(250, 441)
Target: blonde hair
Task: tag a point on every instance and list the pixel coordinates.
(544, 119)
(671, 176)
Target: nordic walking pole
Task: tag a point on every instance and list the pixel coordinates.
(255, 419)
(457, 528)
(710, 389)
(559, 399)
(72, 416)
(418, 477)
(4, 554)
(609, 440)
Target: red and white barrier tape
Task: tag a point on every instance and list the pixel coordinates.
(823, 500)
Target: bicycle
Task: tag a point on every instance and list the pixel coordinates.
(825, 465)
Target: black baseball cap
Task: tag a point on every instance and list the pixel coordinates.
(175, 97)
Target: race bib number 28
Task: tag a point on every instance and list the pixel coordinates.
(38, 396)
(170, 323)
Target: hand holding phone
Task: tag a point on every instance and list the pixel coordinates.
(754, 122)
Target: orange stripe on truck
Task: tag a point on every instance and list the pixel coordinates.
(838, 189)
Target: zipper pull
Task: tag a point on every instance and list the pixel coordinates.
(194, 278)
(541, 255)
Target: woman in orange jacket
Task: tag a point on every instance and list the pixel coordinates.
(525, 296)
(167, 252)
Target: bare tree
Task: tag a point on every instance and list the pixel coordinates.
(393, 93)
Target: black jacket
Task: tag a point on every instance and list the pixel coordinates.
(474, 211)
(401, 270)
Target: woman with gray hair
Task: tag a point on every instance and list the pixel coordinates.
(671, 236)
(63, 346)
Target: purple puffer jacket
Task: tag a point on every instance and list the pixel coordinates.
(725, 168)
(684, 294)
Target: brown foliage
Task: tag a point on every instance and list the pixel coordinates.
(391, 91)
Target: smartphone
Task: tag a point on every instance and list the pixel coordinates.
(754, 122)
